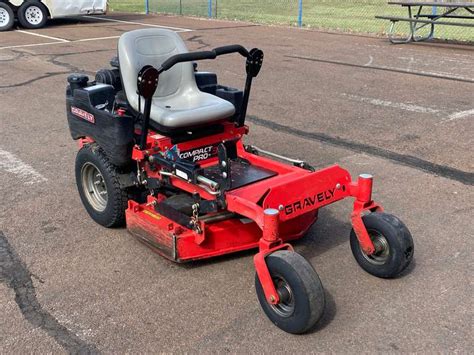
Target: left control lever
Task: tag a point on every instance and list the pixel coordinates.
(147, 83)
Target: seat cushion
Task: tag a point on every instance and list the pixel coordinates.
(190, 110)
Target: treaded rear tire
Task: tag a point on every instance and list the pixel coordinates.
(306, 290)
(113, 215)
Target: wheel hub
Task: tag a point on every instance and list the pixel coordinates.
(382, 249)
(94, 186)
(34, 15)
(286, 306)
(4, 17)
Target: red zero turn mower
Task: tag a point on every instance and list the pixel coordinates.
(161, 149)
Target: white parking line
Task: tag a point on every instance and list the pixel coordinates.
(44, 36)
(51, 43)
(459, 115)
(31, 45)
(177, 29)
(12, 164)
(397, 105)
(62, 40)
(415, 108)
(96, 39)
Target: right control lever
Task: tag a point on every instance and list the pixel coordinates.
(253, 66)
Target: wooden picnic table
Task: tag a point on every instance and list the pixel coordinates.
(418, 19)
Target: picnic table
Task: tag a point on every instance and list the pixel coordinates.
(419, 19)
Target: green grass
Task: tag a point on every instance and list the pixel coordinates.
(127, 6)
(343, 15)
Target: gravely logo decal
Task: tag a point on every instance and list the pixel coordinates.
(83, 114)
(309, 201)
(200, 153)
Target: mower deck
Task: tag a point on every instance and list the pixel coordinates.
(180, 244)
(223, 232)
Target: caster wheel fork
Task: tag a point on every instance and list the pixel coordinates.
(380, 242)
(393, 245)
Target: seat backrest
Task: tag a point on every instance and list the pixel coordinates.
(152, 47)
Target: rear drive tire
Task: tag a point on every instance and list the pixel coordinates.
(393, 242)
(32, 14)
(300, 290)
(7, 17)
(99, 188)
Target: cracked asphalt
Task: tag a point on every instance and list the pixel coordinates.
(403, 113)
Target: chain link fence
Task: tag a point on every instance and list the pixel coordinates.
(340, 15)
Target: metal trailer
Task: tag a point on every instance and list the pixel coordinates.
(35, 13)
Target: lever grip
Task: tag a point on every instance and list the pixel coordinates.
(233, 48)
(186, 57)
(212, 54)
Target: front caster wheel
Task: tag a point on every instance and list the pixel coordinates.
(393, 246)
(299, 289)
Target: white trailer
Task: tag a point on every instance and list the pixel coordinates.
(35, 13)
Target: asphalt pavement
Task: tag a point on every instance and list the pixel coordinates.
(403, 113)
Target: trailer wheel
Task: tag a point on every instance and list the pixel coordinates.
(32, 14)
(393, 243)
(7, 17)
(99, 187)
(300, 291)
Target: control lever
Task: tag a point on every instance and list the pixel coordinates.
(253, 65)
(146, 84)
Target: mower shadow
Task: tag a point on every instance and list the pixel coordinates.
(327, 233)
(408, 270)
(330, 311)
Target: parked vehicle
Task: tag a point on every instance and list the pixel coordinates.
(35, 13)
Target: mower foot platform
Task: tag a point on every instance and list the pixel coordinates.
(242, 173)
